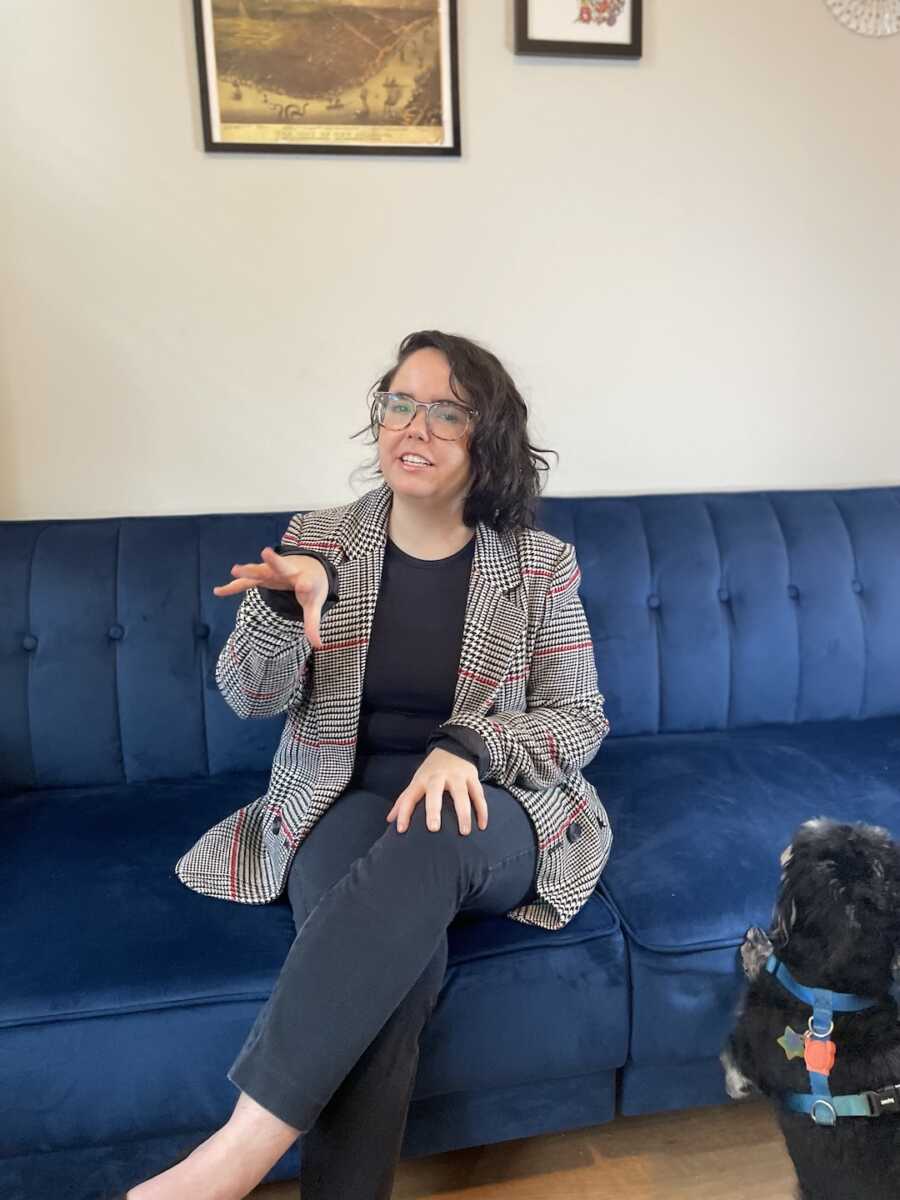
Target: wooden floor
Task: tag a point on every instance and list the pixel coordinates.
(729, 1153)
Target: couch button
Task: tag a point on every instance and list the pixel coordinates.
(573, 832)
(202, 630)
(653, 600)
(116, 632)
(29, 642)
(793, 591)
(276, 825)
(857, 586)
(724, 595)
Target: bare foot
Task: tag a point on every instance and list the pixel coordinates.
(228, 1165)
(208, 1173)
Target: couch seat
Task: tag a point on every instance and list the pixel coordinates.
(700, 819)
(129, 994)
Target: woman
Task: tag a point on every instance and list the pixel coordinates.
(435, 665)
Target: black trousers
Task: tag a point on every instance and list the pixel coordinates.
(334, 1050)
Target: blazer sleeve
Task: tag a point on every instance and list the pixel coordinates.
(263, 665)
(565, 723)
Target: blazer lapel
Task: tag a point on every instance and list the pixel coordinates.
(340, 664)
(494, 623)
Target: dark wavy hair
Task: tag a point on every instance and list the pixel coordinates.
(505, 467)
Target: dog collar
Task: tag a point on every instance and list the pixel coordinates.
(819, 1054)
(822, 1001)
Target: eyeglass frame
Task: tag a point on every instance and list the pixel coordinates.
(378, 397)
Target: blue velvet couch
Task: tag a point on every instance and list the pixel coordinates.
(749, 649)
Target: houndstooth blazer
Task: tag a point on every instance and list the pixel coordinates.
(527, 685)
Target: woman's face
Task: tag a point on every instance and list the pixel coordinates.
(444, 481)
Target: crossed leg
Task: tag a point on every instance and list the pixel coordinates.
(334, 1051)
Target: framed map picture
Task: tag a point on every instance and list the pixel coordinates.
(329, 76)
(605, 28)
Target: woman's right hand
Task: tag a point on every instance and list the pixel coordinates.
(298, 573)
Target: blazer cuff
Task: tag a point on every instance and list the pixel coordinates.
(286, 603)
(464, 742)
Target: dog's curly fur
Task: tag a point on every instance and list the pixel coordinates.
(836, 925)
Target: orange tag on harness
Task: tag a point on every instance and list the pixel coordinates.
(819, 1056)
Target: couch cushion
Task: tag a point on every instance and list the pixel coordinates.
(115, 969)
(699, 820)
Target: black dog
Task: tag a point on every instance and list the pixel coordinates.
(836, 926)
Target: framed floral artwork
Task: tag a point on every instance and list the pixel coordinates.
(329, 76)
(603, 28)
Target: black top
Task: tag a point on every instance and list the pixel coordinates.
(413, 656)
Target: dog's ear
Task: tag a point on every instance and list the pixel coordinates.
(783, 919)
(784, 914)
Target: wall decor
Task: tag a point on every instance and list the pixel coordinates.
(603, 28)
(874, 18)
(329, 76)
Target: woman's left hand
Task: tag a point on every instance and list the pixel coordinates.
(442, 771)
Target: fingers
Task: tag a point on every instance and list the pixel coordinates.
(273, 571)
(251, 577)
(312, 611)
(466, 794)
(460, 795)
(479, 803)
(275, 561)
(434, 802)
(250, 569)
(404, 805)
(238, 585)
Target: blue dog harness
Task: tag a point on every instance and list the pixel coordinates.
(818, 1102)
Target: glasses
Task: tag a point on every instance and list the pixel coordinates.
(444, 418)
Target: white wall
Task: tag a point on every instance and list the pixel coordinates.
(691, 264)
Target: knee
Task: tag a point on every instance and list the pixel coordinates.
(445, 844)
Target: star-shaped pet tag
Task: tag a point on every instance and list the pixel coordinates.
(793, 1044)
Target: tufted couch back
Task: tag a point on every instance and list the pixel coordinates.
(717, 611)
(707, 612)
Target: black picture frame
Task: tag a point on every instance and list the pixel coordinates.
(451, 125)
(525, 44)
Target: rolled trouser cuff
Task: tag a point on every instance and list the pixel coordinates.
(274, 1092)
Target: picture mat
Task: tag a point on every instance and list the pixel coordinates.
(557, 21)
